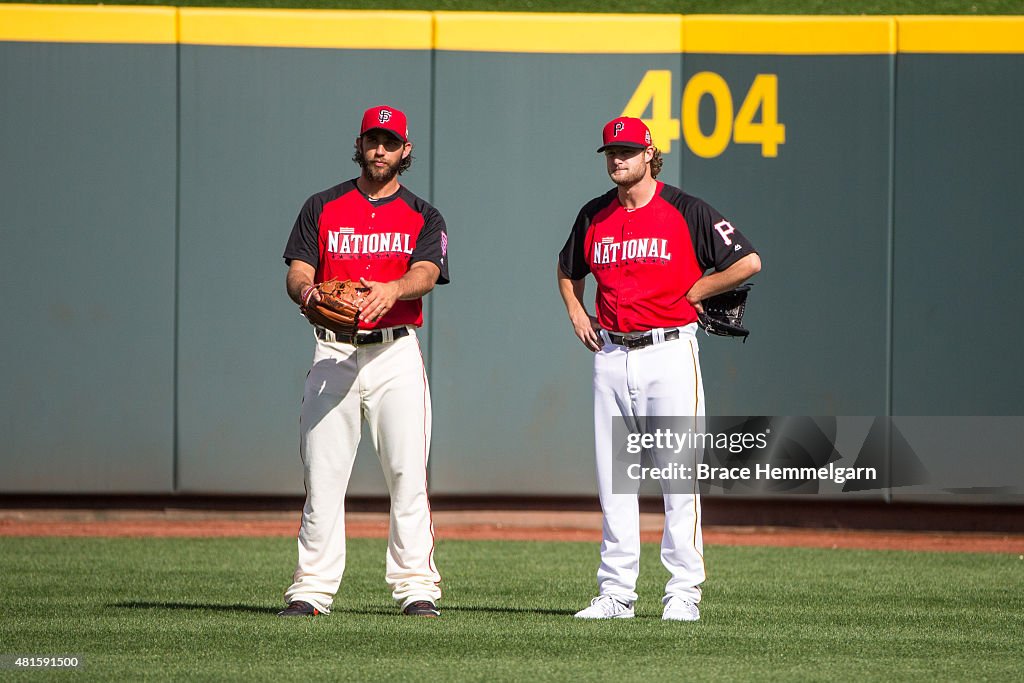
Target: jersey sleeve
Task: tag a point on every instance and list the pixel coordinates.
(573, 259)
(716, 242)
(432, 244)
(303, 241)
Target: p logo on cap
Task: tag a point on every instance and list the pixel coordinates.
(626, 131)
(386, 118)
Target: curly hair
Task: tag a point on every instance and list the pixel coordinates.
(656, 163)
(402, 167)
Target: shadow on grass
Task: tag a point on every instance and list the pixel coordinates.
(375, 611)
(205, 606)
(454, 608)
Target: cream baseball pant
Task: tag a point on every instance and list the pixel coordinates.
(659, 380)
(386, 384)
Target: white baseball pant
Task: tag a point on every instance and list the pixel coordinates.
(663, 380)
(387, 384)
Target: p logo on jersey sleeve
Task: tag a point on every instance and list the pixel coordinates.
(725, 229)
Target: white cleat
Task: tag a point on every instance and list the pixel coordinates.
(606, 607)
(680, 609)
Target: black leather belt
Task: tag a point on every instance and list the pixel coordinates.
(365, 338)
(638, 340)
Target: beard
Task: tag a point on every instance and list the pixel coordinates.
(379, 175)
(631, 177)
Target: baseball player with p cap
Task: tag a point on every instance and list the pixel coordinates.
(648, 246)
(374, 231)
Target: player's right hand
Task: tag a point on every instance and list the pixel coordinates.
(587, 330)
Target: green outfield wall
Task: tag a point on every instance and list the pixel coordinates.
(88, 141)
(160, 155)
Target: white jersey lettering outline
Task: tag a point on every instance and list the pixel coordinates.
(341, 242)
(605, 253)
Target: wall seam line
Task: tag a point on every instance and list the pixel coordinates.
(891, 256)
(432, 137)
(176, 438)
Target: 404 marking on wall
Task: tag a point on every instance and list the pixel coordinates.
(654, 93)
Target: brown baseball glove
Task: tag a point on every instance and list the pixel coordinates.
(338, 308)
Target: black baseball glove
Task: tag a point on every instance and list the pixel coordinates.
(723, 313)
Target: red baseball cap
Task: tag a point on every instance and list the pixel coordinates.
(626, 131)
(386, 118)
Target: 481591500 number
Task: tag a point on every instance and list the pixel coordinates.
(18, 662)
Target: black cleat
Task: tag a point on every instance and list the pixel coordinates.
(421, 608)
(299, 609)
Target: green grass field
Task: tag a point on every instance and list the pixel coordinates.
(203, 609)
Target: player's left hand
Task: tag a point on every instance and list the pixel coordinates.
(587, 330)
(379, 299)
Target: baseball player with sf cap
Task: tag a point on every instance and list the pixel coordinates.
(374, 231)
(648, 246)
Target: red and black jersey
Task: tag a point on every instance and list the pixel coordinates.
(645, 260)
(346, 235)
